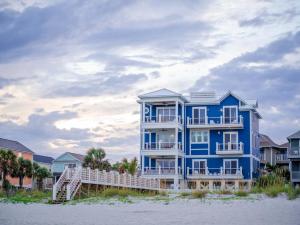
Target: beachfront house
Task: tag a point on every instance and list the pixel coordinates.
(199, 141)
(19, 150)
(66, 160)
(294, 157)
(272, 153)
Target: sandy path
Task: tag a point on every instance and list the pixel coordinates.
(277, 211)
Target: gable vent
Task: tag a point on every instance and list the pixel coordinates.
(203, 96)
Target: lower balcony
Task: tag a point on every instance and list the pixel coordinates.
(215, 173)
(162, 172)
(162, 149)
(229, 148)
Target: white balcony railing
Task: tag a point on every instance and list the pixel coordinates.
(215, 172)
(163, 119)
(162, 171)
(162, 146)
(294, 152)
(281, 157)
(227, 148)
(216, 121)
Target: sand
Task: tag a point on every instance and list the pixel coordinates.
(264, 211)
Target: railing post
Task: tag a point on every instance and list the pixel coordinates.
(54, 192)
(159, 170)
(217, 146)
(206, 170)
(68, 197)
(188, 171)
(222, 171)
(221, 119)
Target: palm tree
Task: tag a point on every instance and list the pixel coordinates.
(41, 174)
(133, 166)
(7, 165)
(23, 169)
(95, 159)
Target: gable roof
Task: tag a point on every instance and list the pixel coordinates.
(266, 141)
(77, 156)
(294, 135)
(42, 159)
(160, 93)
(13, 145)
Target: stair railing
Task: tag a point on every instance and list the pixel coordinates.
(74, 184)
(58, 185)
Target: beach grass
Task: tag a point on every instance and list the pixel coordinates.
(199, 194)
(26, 196)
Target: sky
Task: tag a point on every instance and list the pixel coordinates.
(71, 71)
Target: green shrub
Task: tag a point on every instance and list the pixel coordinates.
(199, 194)
(292, 193)
(241, 193)
(114, 192)
(273, 191)
(185, 194)
(224, 192)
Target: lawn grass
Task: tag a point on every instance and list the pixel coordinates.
(199, 194)
(26, 196)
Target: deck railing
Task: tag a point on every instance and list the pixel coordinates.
(163, 119)
(215, 172)
(227, 147)
(74, 184)
(162, 171)
(162, 146)
(281, 157)
(211, 121)
(294, 152)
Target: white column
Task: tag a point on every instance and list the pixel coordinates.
(176, 110)
(143, 112)
(143, 163)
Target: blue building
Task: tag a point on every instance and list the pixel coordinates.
(199, 141)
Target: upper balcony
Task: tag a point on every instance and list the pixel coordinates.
(160, 122)
(282, 158)
(216, 122)
(294, 152)
(229, 148)
(162, 149)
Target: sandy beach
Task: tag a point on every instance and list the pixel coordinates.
(264, 211)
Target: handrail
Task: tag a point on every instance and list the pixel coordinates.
(162, 171)
(215, 120)
(229, 146)
(57, 186)
(215, 171)
(73, 185)
(161, 145)
(163, 119)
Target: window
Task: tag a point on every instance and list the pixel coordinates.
(230, 114)
(199, 115)
(166, 114)
(199, 166)
(70, 165)
(230, 140)
(165, 163)
(230, 166)
(198, 136)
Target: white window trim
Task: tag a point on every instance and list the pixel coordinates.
(231, 106)
(231, 132)
(202, 107)
(198, 160)
(165, 107)
(159, 160)
(193, 130)
(226, 160)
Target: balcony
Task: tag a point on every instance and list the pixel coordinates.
(294, 152)
(282, 158)
(162, 122)
(162, 148)
(215, 173)
(229, 148)
(216, 122)
(162, 172)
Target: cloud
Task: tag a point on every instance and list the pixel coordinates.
(102, 84)
(275, 84)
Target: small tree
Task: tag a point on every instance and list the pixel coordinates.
(23, 169)
(95, 159)
(133, 166)
(7, 165)
(41, 174)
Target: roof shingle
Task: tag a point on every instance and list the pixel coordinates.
(13, 145)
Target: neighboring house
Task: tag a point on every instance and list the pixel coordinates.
(46, 162)
(68, 159)
(20, 151)
(272, 153)
(200, 141)
(294, 157)
(43, 161)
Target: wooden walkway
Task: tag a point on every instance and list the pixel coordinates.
(71, 179)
